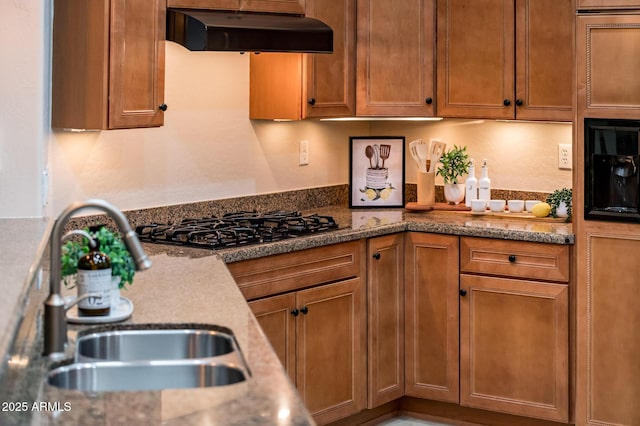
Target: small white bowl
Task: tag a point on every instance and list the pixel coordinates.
(478, 205)
(516, 206)
(529, 204)
(497, 205)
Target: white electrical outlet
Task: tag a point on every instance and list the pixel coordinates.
(565, 157)
(304, 153)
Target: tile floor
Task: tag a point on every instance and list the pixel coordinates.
(408, 421)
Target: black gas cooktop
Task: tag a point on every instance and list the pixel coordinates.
(236, 229)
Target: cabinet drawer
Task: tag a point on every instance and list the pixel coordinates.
(517, 259)
(280, 273)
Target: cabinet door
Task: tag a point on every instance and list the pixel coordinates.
(431, 316)
(475, 64)
(608, 329)
(331, 354)
(136, 67)
(276, 317)
(331, 78)
(395, 58)
(608, 47)
(385, 297)
(206, 4)
(514, 339)
(544, 59)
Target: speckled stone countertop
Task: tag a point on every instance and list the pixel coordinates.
(356, 223)
(193, 286)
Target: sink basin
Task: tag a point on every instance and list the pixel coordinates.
(143, 376)
(163, 344)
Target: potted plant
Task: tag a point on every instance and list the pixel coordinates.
(454, 163)
(111, 244)
(560, 202)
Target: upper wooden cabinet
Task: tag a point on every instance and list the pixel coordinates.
(395, 58)
(392, 73)
(608, 4)
(608, 47)
(108, 64)
(295, 86)
(505, 59)
(275, 6)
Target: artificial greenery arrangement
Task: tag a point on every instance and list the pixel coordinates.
(110, 243)
(454, 163)
(558, 196)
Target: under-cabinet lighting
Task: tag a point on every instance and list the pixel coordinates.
(534, 121)
(382, 119)
(67, 129)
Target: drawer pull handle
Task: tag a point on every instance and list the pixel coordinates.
(304, 310)
(512, 258)
(463, 292)
(376, 256)
(295, 312)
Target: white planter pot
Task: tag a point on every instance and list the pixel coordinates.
(454, 192)
(115, 292)
(561, 210)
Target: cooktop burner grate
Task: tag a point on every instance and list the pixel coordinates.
(236, 229)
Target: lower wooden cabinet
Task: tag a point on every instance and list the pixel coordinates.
(319, 335)
(514, 342)
(385, 319)
(608, 326)
(431, 316)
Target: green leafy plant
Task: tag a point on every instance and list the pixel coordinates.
(454, 163)
(558, 196)
(111, 244)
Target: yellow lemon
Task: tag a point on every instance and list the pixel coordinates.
(371, 194)
(385, 193)
(541, 210)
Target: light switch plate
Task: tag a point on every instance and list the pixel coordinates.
(304, 153)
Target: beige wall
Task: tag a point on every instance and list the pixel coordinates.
(208, 149)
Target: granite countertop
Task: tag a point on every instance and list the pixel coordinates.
(193, 286)
(366, 223)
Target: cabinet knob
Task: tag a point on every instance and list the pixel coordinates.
(295, 312)
(519, 102)
(304, 310)
(376, 256)
(512, 258)
(463, 292)
(162, 107)
(428, 101)
(311, 101)
(506, 102)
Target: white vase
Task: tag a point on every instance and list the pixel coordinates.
(454, 192)
(561, 210)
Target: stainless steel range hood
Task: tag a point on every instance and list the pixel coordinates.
(198, 29)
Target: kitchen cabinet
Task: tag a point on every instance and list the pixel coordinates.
(294, 86)
(112, 76)
(395, 58)
(385, 318)
(514, 327)
(608, 322)
(607, 50)
(389, 73)
(274, 6)
(431, 316)
(505, 59)
(311, 305)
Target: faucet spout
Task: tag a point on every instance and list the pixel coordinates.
(55, 326)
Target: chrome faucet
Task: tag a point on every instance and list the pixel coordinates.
(55, 325)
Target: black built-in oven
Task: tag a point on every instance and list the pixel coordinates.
(611, 169)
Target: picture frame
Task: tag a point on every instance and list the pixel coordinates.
(376, 171)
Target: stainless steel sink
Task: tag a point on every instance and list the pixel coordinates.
(163, 344)
(143, 376)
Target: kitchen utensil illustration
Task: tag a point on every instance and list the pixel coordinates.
(385, 150)
(368, 151)
(376, 151)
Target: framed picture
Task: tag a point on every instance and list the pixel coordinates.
(376, 171)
